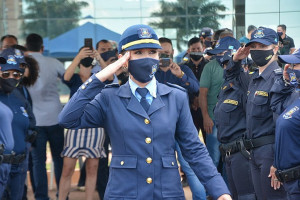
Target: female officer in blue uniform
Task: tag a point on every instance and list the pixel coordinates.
(6, 137)
(287, 143)
(260, 134)
(11, 74)
(142, 118)
(230, 117)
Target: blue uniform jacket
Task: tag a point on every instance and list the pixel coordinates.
(230, 111)
(287, 145)
(259, 115)
(21, 119)
(188, 81)
(6, 136)
(143, 164)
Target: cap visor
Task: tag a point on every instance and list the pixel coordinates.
(144, 46)
(289, 59)
(259, 41)
(215, 51)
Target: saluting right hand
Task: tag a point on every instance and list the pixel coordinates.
(111, 69)
(285, 74)
(241, 53)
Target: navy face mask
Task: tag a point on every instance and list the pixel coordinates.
(143, 69)
(9, 84)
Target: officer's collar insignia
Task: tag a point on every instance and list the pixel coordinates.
(144, 33)
(289, 114)
(259, 34)
(154, 69)
(18, 53)
(261, 93)
(24, 112)
(11, 60)
(230, 101)
(218, 44)
(224, 87)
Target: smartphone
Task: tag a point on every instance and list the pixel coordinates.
(88, 42)
(165, 62)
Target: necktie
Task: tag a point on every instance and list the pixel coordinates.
(143, 92)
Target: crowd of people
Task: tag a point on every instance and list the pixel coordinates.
(241, 97)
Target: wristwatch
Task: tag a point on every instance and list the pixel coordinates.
(181, 75)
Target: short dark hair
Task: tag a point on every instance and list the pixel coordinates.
(282, 26)
(8, 36)
(193, 41)
(251, 28)
(165, 40)
(34, 42)
(104, 41)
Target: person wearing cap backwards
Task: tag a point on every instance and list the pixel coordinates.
(230, 120)
(260, 134)
(210, 84)
(11, 74)
(142, 118)
(287, 142)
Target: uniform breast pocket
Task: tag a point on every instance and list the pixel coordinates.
(227, 112)
(261, 107)
(123, 177)
(170, 178)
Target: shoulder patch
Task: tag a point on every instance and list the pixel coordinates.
(112, 85)
(175, 86)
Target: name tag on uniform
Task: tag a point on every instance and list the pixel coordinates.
(230, 101)
(262, 93)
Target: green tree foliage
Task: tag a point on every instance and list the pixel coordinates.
(187, 17)
(50, 18)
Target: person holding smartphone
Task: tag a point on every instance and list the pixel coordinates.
(142, 118)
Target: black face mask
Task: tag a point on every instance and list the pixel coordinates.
(87, 62)
(196, 55)
(9, 84)
(207, 43)
(261, 57)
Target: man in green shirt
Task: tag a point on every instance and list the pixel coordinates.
(210, 84)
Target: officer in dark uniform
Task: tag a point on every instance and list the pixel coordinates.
(230, 119)
(287, 143)
(259, 116)
(6, 137)
(11, 74)
(142, 118)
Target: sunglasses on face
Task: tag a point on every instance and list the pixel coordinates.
(15, 75)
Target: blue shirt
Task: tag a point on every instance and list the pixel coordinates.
(6, 136)
(20, 123)
(287, 143)
(188, 81)
(151, 86)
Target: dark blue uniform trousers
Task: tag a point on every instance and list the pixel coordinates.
(261, 160)
(293, 189)
(239, 177)
(4, 174)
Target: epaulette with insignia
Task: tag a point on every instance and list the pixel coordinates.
(278, 71)
(112, 85)
(176, 86)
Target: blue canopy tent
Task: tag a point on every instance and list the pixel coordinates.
(66, 45)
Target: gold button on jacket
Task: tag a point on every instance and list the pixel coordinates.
(149, 180)
(149, 160)
(146, 121)
(148, 140)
